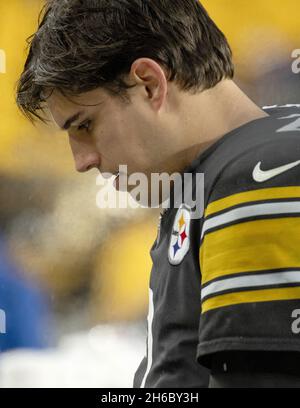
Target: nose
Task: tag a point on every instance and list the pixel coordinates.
(83, 165)
(85, 155)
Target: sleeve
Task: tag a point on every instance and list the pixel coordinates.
(250, 253)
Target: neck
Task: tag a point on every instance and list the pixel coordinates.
(214, 113)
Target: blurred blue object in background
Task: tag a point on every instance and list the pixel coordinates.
(25, 316)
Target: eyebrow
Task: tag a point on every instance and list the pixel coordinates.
(70, 121)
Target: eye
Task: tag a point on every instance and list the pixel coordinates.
(85, 126)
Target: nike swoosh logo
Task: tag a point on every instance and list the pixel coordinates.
(260, 176)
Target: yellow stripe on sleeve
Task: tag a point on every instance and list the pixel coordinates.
(266, 295)
(260, 245)
(275, 193)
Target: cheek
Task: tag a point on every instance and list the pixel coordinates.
(124, 139)
(111, 145)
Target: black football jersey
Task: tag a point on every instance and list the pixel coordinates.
(230, 279)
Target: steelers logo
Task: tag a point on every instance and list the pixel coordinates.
(180, 238)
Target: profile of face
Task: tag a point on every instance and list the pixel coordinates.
(105, 131)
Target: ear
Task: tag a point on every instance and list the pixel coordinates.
(147, 73)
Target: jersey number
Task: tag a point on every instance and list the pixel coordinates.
(293, 126)
(296, 322)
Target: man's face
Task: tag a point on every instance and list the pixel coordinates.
(144, 133)
(105, 131)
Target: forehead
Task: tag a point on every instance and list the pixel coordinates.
(62, 107)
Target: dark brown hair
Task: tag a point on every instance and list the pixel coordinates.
(81, 45)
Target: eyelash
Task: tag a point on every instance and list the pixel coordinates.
(85, 126)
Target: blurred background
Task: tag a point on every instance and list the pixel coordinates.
(74, 278)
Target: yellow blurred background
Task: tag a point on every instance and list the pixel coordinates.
(92, 261)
